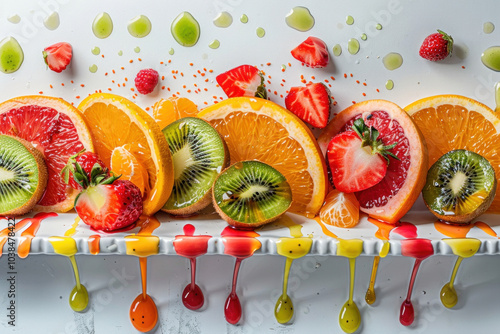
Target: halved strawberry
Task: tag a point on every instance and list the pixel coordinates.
(58, 56)
(244, 80)
(312, 52)
(357, 159)
(310, 103)
(86, 161)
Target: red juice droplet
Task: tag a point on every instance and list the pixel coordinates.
(406, 314)
(188, 229)
(406, 230)
(193, 298)
(232, 309)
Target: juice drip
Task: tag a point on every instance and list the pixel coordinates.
(325, 230)
(464, 248)
(420, 249)
(406, 230)
(240, 244)
(66, 246)
(384, 229)
(283, 310)
(370, 295)
(191, 246)
(143, 312)
(72, 230)
(94, 244)
(24, 246)
(486, 228)
(461, 231)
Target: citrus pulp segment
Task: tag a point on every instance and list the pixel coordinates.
(450, 122)
(114, 122)
(58, 131)
(257, 129)
(167, 111)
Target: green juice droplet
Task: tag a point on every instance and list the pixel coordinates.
(214, 44)
(389, 85)
(11, 55)
(93, 68)
(185, 29)
(491, 58)
(392, 61)
(137, 49)
(337, 50)
(300, 19)
(364, 37)
(488, 27)
(223, 20)
(244, 18)
(120, 53)
(102, 26)
(260, 32)
(96, 50)
(171, 51)
(378, 26)
(52, 21)
(139, 26)
(353, 46)
(14, 19)
(349, 20)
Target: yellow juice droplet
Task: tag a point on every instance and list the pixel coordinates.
(349, 20)
(378, 26)
(349, 317)
(283, 311)
(260, 32)
(300, 18)
(370, 295)
(244, 18)
(350, 248)
(142, 245)
(364, 37)
(72, 230)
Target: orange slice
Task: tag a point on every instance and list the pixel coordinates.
(126, 164)
(170, 110)
(340, 209)
(117, 122)
(257, 129)
(450, 122)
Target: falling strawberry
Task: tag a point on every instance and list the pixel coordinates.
(357, 159)
(106, 203)
(312, 52)
(86, 161)
(58, 56)
(244, 80)
(436, 46)
(310, 103)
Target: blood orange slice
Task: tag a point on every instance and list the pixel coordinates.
(391, 198)
(58, 131)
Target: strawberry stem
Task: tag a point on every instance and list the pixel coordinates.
(369, 137)
(449, 39)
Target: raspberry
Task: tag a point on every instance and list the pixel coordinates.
(146, 81)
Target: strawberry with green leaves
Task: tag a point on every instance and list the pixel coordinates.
(58, 56)
(436, 46)
(80, 163)
(244, 80)
(358, 159)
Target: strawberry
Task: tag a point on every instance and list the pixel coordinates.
(146, 81)
(86, 161)
(106, 203)
(244, 80)
(436, 46)
(357, 159)
(58, 56)
(312, 52)
(310, 103)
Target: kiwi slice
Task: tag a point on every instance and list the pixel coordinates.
(251, 194)
(460, 186)
(199, 155)
(23, 176)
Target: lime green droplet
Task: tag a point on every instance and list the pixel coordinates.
(185, 29)
(96, 50)
(223, 20)
(14, 19)
(102, 26)
(349, 20)
(337, 50)
(171, 51)
(389, 85)
(11, 55)
(283, 311)
(488, 27)
(300, 18)
(244, 18)
(260, 32)
(139, 26)
(378, 26)
(79, 298)
(137, 49)
(491, 58)
(52, 21)
(214, 44)
(364, 37)
(120, 53)
(93, 68)
(353, 46)
(392, 61)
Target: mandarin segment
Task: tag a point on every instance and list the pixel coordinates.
(167, 111)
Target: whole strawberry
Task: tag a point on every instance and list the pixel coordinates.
(107, 204)
(86, 161)
(146, 81)
(436, 46)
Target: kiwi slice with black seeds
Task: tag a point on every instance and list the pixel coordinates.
(251, 194)
(23, 176)
(460, 186)
(199, 155)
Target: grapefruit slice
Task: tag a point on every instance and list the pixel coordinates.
(462, 123)
(391, 198)
(58, 131)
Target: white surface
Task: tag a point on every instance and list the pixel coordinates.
(44, 279)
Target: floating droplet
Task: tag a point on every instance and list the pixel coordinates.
(214, 44)
(102, 26)
(139, 26)
(223, 20)
(137, 49)
(488, 27)
(337, 50)
(93, 68)
(300, 18)
(392, 61)
(389, 85)
(378, 26)
(171, 51)
(260, 32)
(353, 46)
(364, 37)
(244, 18)
(52, 21)
(491, 58)
(120, 53)
(349, 20)
(11, 55)
(14, 19)
(96, 50)
(185, 29)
